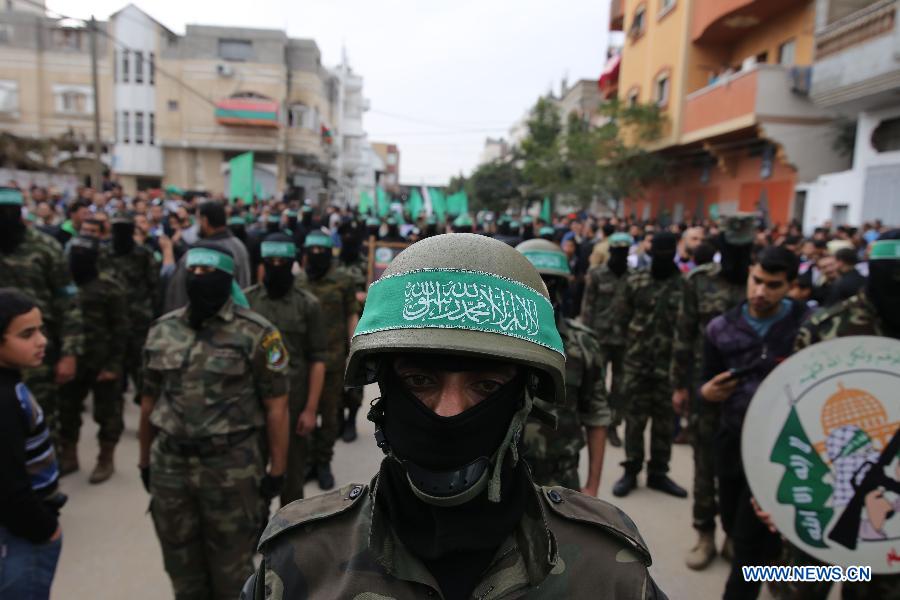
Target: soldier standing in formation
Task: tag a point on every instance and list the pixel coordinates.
(649, 306)
(603, 288)
(214, 399)
(138, 273)
(297, 314)
(352, 265)
(552, 453)
(99, 366)
(453, 512)
(340, 312)
(32, 263)
(709, 291)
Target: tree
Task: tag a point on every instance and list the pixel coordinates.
(495, 186)
(542, 166)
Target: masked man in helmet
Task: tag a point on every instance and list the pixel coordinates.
(460, 336)
(552, 452)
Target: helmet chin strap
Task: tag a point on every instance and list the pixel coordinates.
(458, 486)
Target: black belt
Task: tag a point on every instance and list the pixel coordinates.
(206, 446)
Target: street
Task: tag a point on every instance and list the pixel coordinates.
(110, 549)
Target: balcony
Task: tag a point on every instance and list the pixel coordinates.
(721, 21)
(745, 99)
(247, 112)
(617, 15)
(858, 58)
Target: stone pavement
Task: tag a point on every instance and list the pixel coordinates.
(110, 549)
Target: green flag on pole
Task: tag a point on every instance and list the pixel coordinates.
(547, 212)
(457, 204)
(366, 203)
(384, 203)
(438, 204)
(415, 204)
(241, 177)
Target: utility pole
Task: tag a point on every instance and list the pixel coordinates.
(98, 167)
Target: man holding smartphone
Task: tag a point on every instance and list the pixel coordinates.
(741, 348)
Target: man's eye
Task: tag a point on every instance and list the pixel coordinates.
(417, 381)
(488, 386)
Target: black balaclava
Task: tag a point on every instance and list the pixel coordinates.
(207, 293)
(883, 288)
(273, 226)
(279, 280)
(351, 242)
(423, 442)
(393, 231)
(292, 222)
(618, 260)
(83, 254)
(12, 228)
(735, 265)
(122, 238)
(239, 231)
(307, 218)
(662, 251)
(317, 263)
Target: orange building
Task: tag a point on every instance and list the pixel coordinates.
(732, 78)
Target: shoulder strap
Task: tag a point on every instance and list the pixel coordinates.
(310, 510)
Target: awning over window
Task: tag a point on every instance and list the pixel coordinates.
(610, 75)
(247, 112)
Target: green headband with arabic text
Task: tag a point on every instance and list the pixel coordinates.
(206, 257)
(885, 250)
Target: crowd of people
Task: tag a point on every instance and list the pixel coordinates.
(231, 323)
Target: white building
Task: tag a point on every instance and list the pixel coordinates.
(354, 168)
(494, 149)
(857, 75)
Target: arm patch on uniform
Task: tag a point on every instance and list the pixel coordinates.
(276, 353)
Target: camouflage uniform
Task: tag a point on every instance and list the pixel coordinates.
(207, 458)
(601, 291)
(105, 325)
(138, 273)
(650, 307)
(706, 296)
(37, 269)
(357, 273)
(854, 316)
(567, 546)
(553, 454)
(298, 316)
(337, 297)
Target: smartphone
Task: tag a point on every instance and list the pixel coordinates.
(741, 372)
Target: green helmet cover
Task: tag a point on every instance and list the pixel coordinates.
(547, 257)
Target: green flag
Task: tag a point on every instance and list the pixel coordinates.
(384, 203)
(457, 204)
(241, 177)
(414, 204)
(547, 211)
(804, 485)
(259, 189)
(365, 202)
(438, 204)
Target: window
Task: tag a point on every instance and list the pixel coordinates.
(661, 90)
(172, 105)
(238, 50)
(138, 66)
(74, 99)
(787, 53)
(762, 58)
(125, 66)
(115, 126)
(665, 6)
(139, 127)
(126, 127)
(9, 96)
(637, 23)
(67, 38)
(633, 97)
(886, 137)
(297, 113)
(151, 68)
(391, 159)
(115, 66)
(151, 130)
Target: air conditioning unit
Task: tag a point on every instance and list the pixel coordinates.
(225, 70)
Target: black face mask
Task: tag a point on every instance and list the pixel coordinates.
(735, 265)
(350, 249)
(12, 229)
(292, 223)
(883, 290)
(278, 280)
(306, 219)
(618, 261)
(372, 230)
(273, 227)
(317, 264)
(393, 231)
(122, 238)
(206, 294)
(83, 265)
(663, 264)
(239, 231)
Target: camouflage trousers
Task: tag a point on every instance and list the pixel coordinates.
(352, 399)
(207, 513)
(132, 362)
(556, 471)
(648, 399)
(106, 401)
(881, 587)
(705, 423)
(613, 358)
(327, 431)
(298, 448)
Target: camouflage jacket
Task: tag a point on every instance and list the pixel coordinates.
(854, 316)
(213, 381)
(37, 269)
(357, 272)
(138, 273)
(602, 288)
(586, 399)
(337, 296)
(706, 296)
(649, 307)
(298, 316)
(339, 545)
(105, 324)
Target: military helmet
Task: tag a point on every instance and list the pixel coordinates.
(463, 294)
(547, 257)
(740, 229)
(620, 239)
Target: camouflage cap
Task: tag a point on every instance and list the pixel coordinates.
(547, 257)
(462, 294)
(740, 229)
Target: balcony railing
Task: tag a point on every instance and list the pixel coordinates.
(870, 22)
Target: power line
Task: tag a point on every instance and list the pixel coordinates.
(433, 123)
